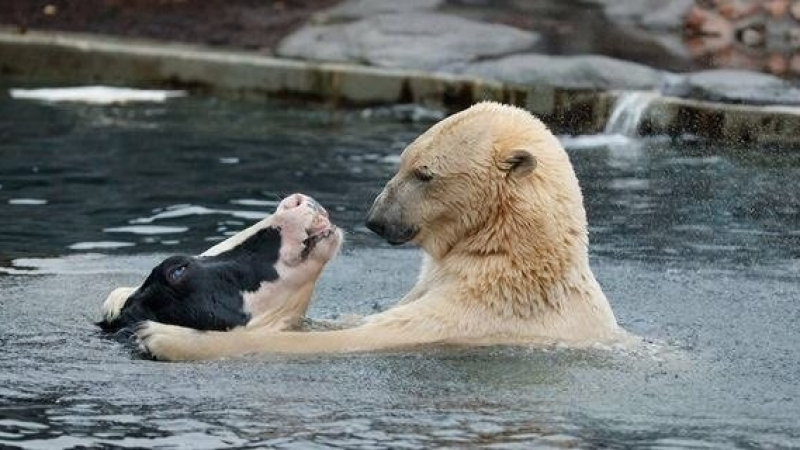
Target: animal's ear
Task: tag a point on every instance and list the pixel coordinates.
(518, 163)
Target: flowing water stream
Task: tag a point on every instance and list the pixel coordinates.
(627, 113)
(696, 246)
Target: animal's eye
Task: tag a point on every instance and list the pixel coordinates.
(423, 174)
(176, 273)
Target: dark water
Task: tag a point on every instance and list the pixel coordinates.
(697, 247)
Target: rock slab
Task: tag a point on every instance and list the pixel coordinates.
(572, 72)
(735, 86)
(413, 40)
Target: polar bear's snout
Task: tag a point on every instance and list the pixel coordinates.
(387, 220)
(393, 234)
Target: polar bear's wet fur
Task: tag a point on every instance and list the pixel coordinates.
(492, 199)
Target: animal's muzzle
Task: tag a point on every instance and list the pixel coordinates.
(393, 232)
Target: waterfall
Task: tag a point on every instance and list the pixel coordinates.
(628, 112)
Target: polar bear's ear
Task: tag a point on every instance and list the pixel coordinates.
(518, 163)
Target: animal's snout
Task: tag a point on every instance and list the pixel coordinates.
(377, 226)
(395, 233)
(299, 200)
(291, 202)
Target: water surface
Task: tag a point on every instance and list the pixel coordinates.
(696, 246)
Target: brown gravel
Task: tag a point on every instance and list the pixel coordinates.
(249, 24)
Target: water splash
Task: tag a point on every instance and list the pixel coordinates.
(146, 229)
(628, 112)
(593, 141)
(182, 211)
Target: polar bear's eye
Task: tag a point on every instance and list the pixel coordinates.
(422, 173)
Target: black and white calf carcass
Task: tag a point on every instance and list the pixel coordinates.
(262, 276)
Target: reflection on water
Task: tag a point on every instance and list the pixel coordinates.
(696, 246)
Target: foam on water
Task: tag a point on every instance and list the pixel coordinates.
(174, 212)
(591, 141)
(100, 245)
(146, 229)
(98, 95)
(27, 201)
(250, 215)
(254, 202)
(182, 211)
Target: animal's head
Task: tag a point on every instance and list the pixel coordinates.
(265, 267)
(306, 240)
(491, 177)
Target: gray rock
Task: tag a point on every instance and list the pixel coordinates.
(734, 86)
(356, 9)
(576, 72)
(651, 14)
(425, 41)
(669, 15)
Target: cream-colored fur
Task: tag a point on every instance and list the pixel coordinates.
(112, 306)
(492, 199)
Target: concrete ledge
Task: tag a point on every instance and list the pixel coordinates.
(722, 122)
(63, 59)
(69, 58)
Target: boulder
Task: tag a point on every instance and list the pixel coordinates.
(667, 15)
(734, 86)
(424, 41)
(356, 9)
(576, 72)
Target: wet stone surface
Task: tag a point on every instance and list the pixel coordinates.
(596, 45)
(734, 86)
(423, 41)
(696, 247)
(571, 72)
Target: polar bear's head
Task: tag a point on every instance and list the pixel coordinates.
(488, 178)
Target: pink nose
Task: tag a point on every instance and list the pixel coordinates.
(297, 200)
(293, 201)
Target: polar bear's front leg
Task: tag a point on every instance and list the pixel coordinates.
(115, 301)
(169, 342)
(386, 331)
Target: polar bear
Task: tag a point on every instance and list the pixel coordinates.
(492, 199)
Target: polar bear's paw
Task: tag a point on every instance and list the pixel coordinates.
(166, 342)
(112, 306)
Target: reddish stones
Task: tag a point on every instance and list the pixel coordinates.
(753, 34)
